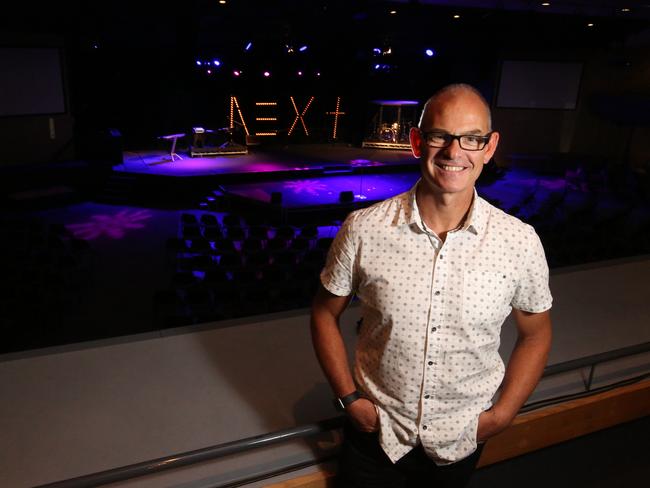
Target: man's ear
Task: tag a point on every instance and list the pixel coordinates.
(415, 136)
(491, 146)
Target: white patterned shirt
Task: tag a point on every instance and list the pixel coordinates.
(427, 352)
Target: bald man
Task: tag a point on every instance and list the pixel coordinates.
(436, 270)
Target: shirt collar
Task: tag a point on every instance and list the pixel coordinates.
(410, 214)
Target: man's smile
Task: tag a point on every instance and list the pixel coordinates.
(451, 167)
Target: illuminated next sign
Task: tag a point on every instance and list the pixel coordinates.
(271, 117)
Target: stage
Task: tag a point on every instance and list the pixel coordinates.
(267, 161)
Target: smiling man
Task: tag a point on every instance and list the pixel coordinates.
(437, 270)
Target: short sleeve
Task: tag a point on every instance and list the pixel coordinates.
(337, 276)
(533, 293)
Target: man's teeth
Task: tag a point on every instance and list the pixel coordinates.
(452, 168)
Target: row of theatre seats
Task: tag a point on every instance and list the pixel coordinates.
(46, 273)
(225, 266)
(228, 265)
(579, 225)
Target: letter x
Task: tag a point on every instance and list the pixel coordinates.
(299, 116)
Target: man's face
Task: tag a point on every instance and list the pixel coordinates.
(452, 169)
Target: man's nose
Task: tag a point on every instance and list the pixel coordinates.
(453, 151)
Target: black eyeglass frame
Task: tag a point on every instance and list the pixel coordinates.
(451, 137)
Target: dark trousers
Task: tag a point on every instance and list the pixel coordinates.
(363, 464)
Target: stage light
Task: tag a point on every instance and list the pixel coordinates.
(430, 52)
(236, 73)
(590, 24)
(216, 62)
(266, 74)
(302, 49)
(266, 119)
(376, 51)
(222, 2)
(456, 16)
(318, 73)
(393, 12)
(299, 73)
(209, 71)
(625, 10)
(248, 46)
(545, 4)
(198, 63)
(377, 66)
(289, 49)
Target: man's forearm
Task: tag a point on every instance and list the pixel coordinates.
(332, 355)
(524, 369)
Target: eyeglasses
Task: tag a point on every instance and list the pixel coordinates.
(469, 142)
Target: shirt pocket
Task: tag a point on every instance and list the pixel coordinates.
(486, 300)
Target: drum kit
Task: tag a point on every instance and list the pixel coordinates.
(389, 132)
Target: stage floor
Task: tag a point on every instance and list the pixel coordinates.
(268, 159)
(314, 192)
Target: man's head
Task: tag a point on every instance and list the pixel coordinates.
(455, 110)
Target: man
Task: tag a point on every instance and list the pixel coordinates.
(437, 270)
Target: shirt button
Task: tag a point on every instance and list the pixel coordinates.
(437, 292)
(433, 329)
(424, 427)
(426, 397)
(430, 363)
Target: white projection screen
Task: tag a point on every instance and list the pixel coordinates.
(31, 81)
(535, 84)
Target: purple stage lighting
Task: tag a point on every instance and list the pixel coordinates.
(430, 52)
(216, 62)
(303, 49)
(248, 46)
(267, 74)
(198, 63)
(236, 73)
(376, 51)
(113, 226)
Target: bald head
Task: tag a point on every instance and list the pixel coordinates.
(450, 93)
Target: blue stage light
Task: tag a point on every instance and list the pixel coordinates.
(430, 52)
(376, 51)
(302, 49)
(248, 46)
(216, 62)
(198, 63)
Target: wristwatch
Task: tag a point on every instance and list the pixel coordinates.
(343, 402)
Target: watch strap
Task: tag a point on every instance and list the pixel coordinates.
(346, 400)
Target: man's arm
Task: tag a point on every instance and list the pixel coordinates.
(523, 372)
(332, 356)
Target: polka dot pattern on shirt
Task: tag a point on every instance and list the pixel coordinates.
(427, 351)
